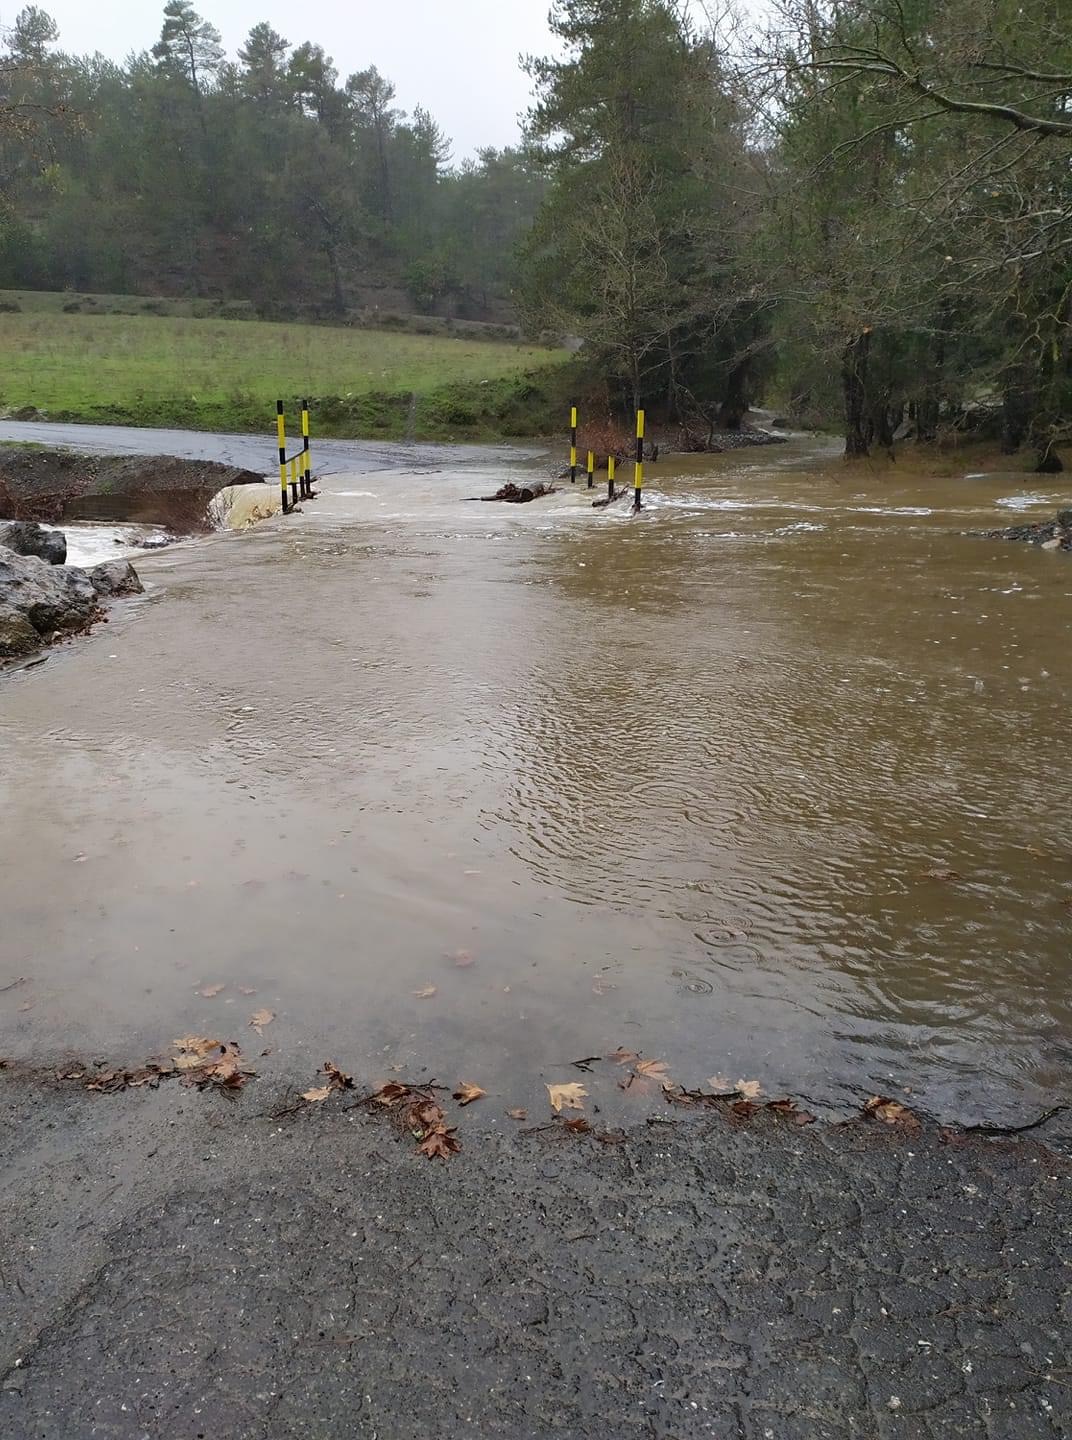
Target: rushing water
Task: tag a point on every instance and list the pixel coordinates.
(768, 781)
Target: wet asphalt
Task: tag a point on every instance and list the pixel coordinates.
(177, 1265)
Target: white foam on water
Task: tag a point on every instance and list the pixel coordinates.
(90, 544)
(1023, 502)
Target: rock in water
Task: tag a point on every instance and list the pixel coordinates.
(115, 577)
(26, 537)
(37, 599)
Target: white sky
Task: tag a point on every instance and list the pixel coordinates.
(457, 58)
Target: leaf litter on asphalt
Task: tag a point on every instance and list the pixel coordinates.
(467, 1093)
(336, 1080)
(260, 1018)
(567, 1097)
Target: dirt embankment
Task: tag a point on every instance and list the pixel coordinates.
(57, 485)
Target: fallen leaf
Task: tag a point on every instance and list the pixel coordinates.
(463, 959)
(321, 1093)
(891, 1112)
(391, 1093)
(426, 993)
(246, 990)
(569, 1096)
(338, 1079)
(439, 1143)
(623, 1057)
(260, 1018)
(748, 1089)
(722, 1084)
(578, 1124)
(790, 1110)
(466, 1093)
(518, 1114)
(743, 1109)
(198, 1045)
(653, 1069)
(208, 991)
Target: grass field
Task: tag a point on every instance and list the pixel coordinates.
(162, 369)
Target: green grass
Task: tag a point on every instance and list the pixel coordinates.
(150, 369)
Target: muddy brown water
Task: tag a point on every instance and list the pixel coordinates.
(672, 782)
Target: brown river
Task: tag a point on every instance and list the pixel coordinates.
(765, 782)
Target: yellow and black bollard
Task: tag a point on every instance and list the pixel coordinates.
(294, 483)
(638, 468)
(591, 469)
(307, 472)
(610, 477)
(573, 444)
(281, 433)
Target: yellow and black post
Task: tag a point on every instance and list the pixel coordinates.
(573, 444)
(307, 476)
(294, 483)
(591, 469)
(638, 468)
(281, 433)
(610, 477)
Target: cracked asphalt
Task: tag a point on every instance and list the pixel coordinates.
(173, 1265)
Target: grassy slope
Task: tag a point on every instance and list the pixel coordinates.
(227, 374)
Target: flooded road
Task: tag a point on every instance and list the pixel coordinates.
(767, 782)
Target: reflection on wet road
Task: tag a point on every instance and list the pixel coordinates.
(674, 782)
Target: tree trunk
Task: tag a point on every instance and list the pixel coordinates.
(854, 359)
(735, 398)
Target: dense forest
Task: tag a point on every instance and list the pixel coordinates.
(858, 208)
(265, 178)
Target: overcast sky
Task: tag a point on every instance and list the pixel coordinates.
(458, 58)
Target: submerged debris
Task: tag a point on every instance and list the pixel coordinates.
(1055, 534)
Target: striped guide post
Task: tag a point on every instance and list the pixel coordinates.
(307, 477)
(591, 469)
(573, 444)
(294, 483)
(610, 477)
(638, 468)
(281, 433)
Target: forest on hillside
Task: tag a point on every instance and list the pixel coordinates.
(861, 209)
(264, 177)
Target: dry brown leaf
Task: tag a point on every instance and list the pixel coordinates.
(314, 1096)
(653, 1069)
(748, 1089)
(567, 1096)
(722, 1084)
(195, 1044)
(518, 1114)
(623, 1057)
(891, 1112)
(208, 991)
(260, 1018)
(790, 1110)
(578, 1124)
(338, 1079)
(391, 1093)
(440, 1143)
(466, 1093)
(426, 993)
(743, 1109)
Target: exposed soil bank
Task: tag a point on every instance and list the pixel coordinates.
(57, 485)
(268, 1277)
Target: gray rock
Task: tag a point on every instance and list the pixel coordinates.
(115, 577)
(46, 597)
(17, 635)
(26, 537)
